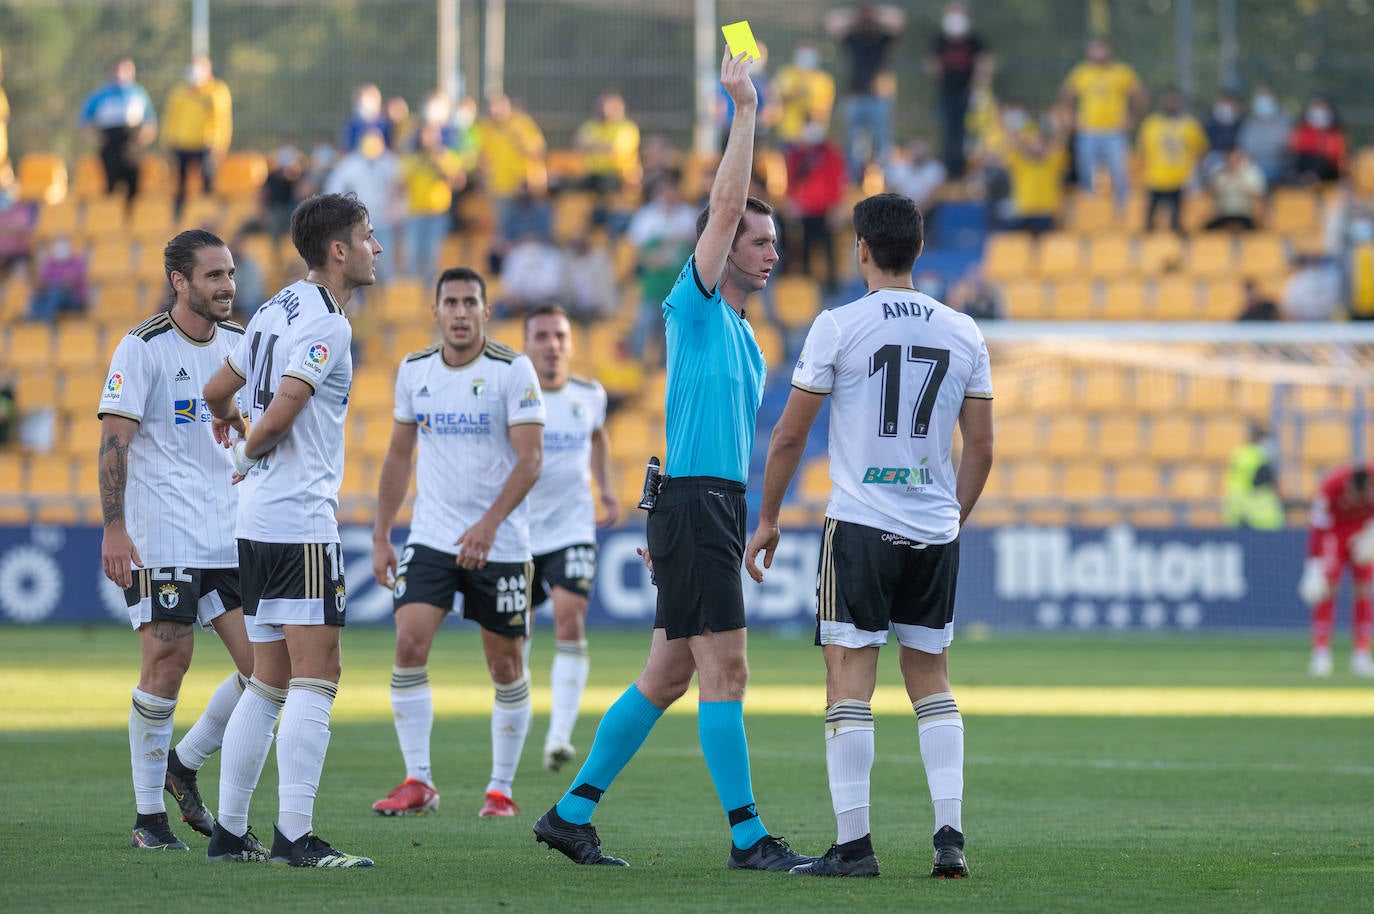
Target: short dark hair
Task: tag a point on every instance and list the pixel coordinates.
(1359, 479)
(179, 256)
(460, 274)
(549, 310)
(751, 205)
(322, 219)
(892, 227)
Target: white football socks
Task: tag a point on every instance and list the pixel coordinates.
(207, 733)
(302, 742)
(247, 740)
(510, 723)
(568, 679)
(150, 735)
(412, 710)
(941, 731)
(849, 762)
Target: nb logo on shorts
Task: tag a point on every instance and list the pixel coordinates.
(579, 564)
(511, 596)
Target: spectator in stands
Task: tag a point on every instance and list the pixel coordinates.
(867, 33)
(59, 283)
(1035, 165)
(17, 220)
(527, 215)
(1264, 134)
(250, 284)
(975, 296)
(283, 188)
(1222, 126)
(511, 151)
(589, 292)
(1108, 97)
(324, 155)
(815, 191)
(1359, 264)
(121, 115)
(9, 411)
(403, 129)
(367, 115)
(1313, 291)
(1318, 143)
(954, 58)
(804, 92)
(1256, 306)
(1238, 190)
(1172, 144)
(912, 170)
(373, 172)
(198, 125)
(5, 167)
(431, 174)
(532, 275)
(1252, 495)
(610, 142)
(663, 232)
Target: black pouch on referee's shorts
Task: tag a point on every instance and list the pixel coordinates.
(653, 481)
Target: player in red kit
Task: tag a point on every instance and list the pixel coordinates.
(1342, 533)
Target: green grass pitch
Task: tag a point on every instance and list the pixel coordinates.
(1101, 776)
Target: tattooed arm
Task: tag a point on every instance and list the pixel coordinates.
(117, 550)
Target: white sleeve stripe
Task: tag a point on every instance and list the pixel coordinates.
(978, 395)
(407, 421)
(515, 422)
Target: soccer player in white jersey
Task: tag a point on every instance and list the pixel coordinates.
(901, 370)
(294, 359)
(474, 408)
(563, 517)
(161, 473)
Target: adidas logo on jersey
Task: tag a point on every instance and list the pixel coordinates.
(182, 375)
(424, 391)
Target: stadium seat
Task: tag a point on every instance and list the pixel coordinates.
(1171, 437)
(1007, 256)
(58, 219)
(1222, 300)
(80, 437)
(1262, 255)
(241, 174)
(1017, 436)
(50, 485)
(1194, 481)
(1136, 480)
(1024, 299)
(1211, 254)
(1068, 437)
(35, 388)
(1110, 256)
(1060, 255)
(154, 177)
(1208, 394)
(771, 342)
(814, 484)
(202, 212)
(1093, 213)
(103, 220)
(1362, 171)
(78, 341)
(42, 178)
(1083, 480)
(1160, 252)
(1071, 300)
(1175, 298)
(796, 300)
(90, 178)
(1102, 389)
(110, 262)
(151, 223)
(1293, 210)
(1120, 437)
(1327, 441)
(29, 345)
(572, 214)
(1031, 479)
(1221, 435)
(1197, 211)
(1124, 300)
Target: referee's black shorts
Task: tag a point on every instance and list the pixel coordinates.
(696, 541)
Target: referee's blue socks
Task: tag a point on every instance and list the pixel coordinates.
(621, 732)
(720, 726)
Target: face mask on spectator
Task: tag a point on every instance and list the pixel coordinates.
(1319, 118)
(1265, 106)
(1224, 113)
(1014, 119)
(1361, 231)
(807, 59)
(61, 249)
(813, 134)
(955, 24)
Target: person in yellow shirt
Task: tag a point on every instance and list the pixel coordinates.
(1107, 97)
(611, 144)
(1036, 163)
(431, 173)
(198, 125)
(1171, 144)
(805, 93)
(511, 152)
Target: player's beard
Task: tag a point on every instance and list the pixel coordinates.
(205, 306)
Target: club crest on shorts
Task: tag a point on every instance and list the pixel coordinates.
(168, 597)
(399, 588)
(340, 598)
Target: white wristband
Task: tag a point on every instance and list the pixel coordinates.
(242, 462)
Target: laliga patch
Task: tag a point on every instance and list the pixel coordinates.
(114, 387)
(316, 358)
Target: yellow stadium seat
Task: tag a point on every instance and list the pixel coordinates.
(1072, 300)
(371, 433)
(815, 479)
(1007, 256)
(796, 300)
(1362, 172)
(154, 176)
(1024, 299)
(15, 293)
(361, 473)
(1222, 300)
(42, 178)
(1175, 298)
(150, 221)
(202, 212)
(1092, 213)
(1221, 435)
(1209, 394)
(81, 438)
(1060, 255)
(109, 261)
(1152, 517)
(1198, 210)
(241, 174)
(1110, 256)
(1194, 482)
(103, 219)
(90, 177)
(572, 214)
(1327, 441)
(1082, 480)
(1101, 389)
(1120, 437)
(78, 341)
(1160, 252)
(1293, 210)
(50, 484)
(771, 342)
(1032, 479)
(58, 219)
(1262, 254)
(1211, 254)
(1124, 299)
(1016, 436)
(35, 387)
(29, 346)
(1068, 437)
(1171, 437)
(1138, 479)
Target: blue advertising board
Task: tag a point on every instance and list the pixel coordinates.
(1045, 578)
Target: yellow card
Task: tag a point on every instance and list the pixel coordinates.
(740, 38)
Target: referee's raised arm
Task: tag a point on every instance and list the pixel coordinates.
(731, 187)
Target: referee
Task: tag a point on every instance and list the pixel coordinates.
(696, 530)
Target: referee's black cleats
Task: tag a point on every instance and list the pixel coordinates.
(769, 854)
(579, 843)
(949, 860)
(854, 858)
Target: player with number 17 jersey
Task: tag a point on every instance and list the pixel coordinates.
(292, 494)
(897, 364)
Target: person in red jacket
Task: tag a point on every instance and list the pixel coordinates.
(815, 187)
(1341, 533)
(1317, 143)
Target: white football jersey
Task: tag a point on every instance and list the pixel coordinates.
(292, 495)
(178, 475)
(562, 513)
(897, 365)
(464, 452)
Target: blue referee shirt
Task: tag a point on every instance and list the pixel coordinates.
(715, 382)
